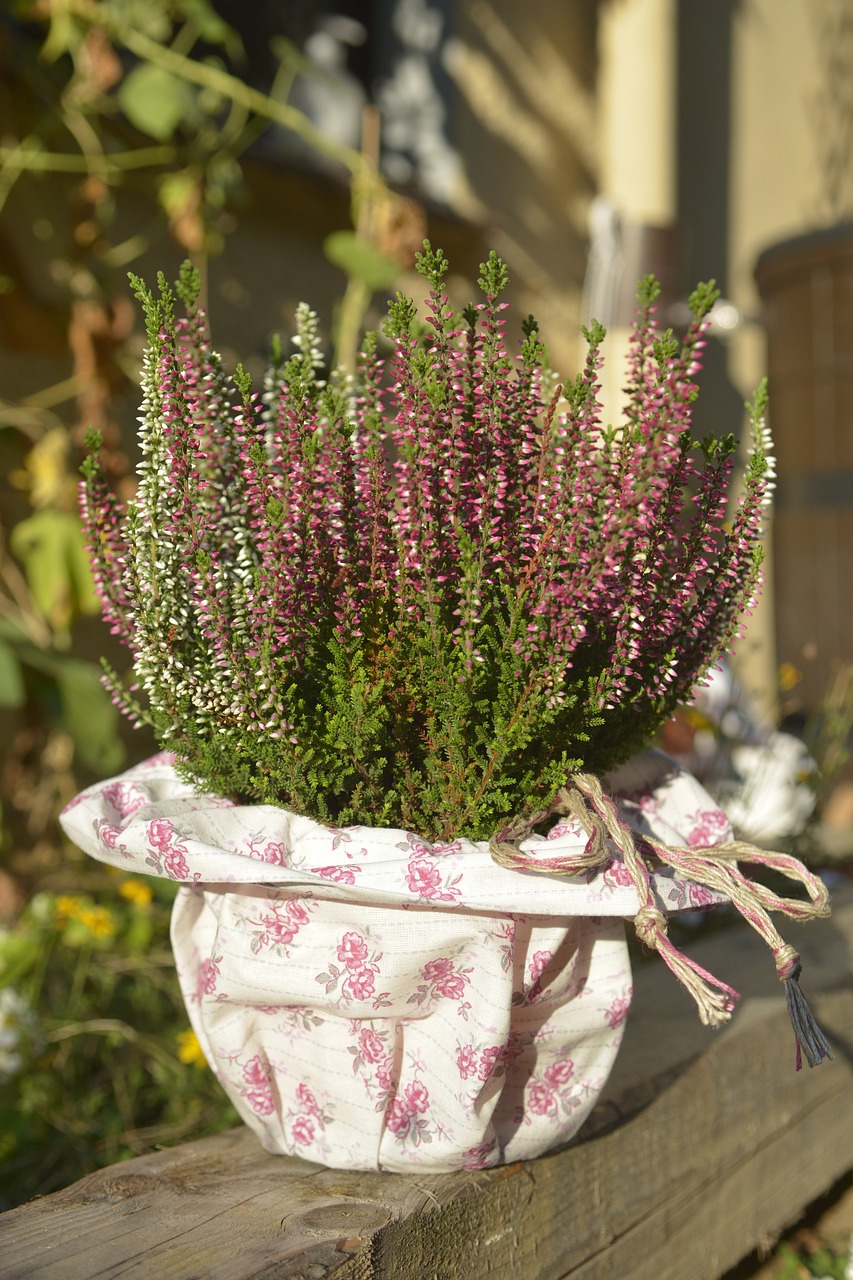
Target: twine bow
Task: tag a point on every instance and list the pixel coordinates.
(715, 867)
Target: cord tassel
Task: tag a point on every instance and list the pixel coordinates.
(810, 1039)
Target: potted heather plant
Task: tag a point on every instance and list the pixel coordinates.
(401, 634)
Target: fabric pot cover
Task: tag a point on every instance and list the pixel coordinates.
(371, 1000)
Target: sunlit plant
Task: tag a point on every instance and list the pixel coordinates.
(424, 594)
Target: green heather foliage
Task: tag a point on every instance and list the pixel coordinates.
(423, 594)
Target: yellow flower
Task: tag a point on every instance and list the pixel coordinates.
(99, 920)
(136, 891)
(789, 677)
(190, 1051)
(67, 908)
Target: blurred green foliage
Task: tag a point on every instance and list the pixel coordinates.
(97, 1062)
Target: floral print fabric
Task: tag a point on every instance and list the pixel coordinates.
(371, 1000)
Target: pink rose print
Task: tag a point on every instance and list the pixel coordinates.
(340, 875)
(280, 926)
(532, 989)
(370, 1046)
(417, 1097)
(541, 1100)
(442, 978)
(208, 972)
(513, 1049)
(164, 840)
(161, 834)
(297, 913)
(358, 977)
(560, 1073)
(424, 878)
(124, 799)
(384, 1074)
(176, 864)
(256, 1072)
(353, 951)
(435, 970)
(507, 933)
(397, 1118)
(699, 895)
(489, 1059)
(406, 1117)
(110, 836)
(307, 1116)
(466, 1061)
(307, 1099)
(360, 985)
(261, 1101)
(618, 1011)
(572, 828)
(303, 1130)
(275, 852)
(710, 827)
(453, 986)
(616, 873)
(478, 1157)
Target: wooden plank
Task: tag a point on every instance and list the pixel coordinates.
(704, 1145)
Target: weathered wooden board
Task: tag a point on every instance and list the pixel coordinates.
(704, 1145)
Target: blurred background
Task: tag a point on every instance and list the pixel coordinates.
(297, 150)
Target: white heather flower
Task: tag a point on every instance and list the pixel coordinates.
(17, 1027)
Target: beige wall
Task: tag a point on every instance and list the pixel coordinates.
(791, 172)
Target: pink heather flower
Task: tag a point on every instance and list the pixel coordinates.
(256, 1072)
(370, 1046)
(352, 951)
(417, 1097)
(541, 1100)
(360, 984)
(423, 878)
(437, 969)
(559, 1073)
(303, 1130)
(453, 986)
(398, 1118)
(307, 1099)
(466, 526)
(466, 1061)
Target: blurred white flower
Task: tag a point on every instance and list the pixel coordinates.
(17, 1028)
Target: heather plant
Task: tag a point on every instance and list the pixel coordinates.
(425, 593)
